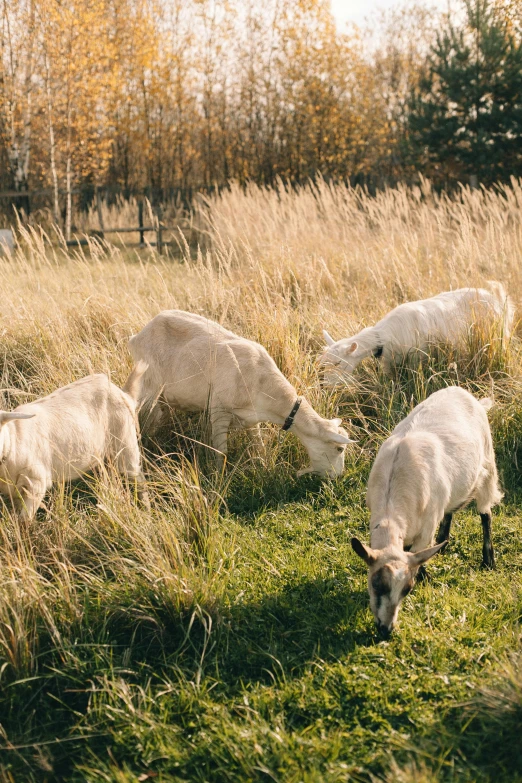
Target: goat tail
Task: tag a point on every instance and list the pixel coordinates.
(132, 347)
(507, 308)
(497, 289)
(135, 380)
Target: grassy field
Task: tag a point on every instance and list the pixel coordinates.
(226, 635)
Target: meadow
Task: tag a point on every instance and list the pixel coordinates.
(226, 635)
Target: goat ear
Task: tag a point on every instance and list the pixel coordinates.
(418, 558)
(6, 416)
(329, 340)
(353, 347)
(336, 422)
(338, 437)
(365, 552)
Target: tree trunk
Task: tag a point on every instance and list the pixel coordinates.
(68, 204)
(52, 145)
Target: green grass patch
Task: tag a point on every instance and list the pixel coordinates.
(281, 676)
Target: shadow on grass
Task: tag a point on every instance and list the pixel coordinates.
(248, 486)
(282, 633)
(266, 641)
(256, 641)
(248, 496)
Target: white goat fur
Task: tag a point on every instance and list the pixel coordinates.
(436, 460)
(196, 364)
(446, 317)
(63, 436)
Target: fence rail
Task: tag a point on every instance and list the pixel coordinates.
(30, 193)
(157, 227)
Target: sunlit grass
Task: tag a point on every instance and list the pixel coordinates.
(225, 634)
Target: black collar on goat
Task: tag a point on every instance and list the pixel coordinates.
(290, 419)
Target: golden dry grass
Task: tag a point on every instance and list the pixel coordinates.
(276, 266)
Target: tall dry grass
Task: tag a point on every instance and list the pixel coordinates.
(276, 266)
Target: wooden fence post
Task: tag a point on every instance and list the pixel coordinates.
(159, 238)
(140, 222)
(99, 208)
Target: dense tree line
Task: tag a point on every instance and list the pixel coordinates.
(465, 114)
(169, 94)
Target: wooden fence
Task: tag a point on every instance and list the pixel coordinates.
(157, 227)
(155, 218)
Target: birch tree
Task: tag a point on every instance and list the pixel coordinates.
(17, 64)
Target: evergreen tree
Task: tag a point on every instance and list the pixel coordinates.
(465, 118)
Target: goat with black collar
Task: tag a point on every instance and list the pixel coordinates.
(197, 364)
(412, 326)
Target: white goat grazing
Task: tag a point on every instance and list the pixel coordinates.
(412, 326)
(436, 460)
(70, 432)
(196, 364)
